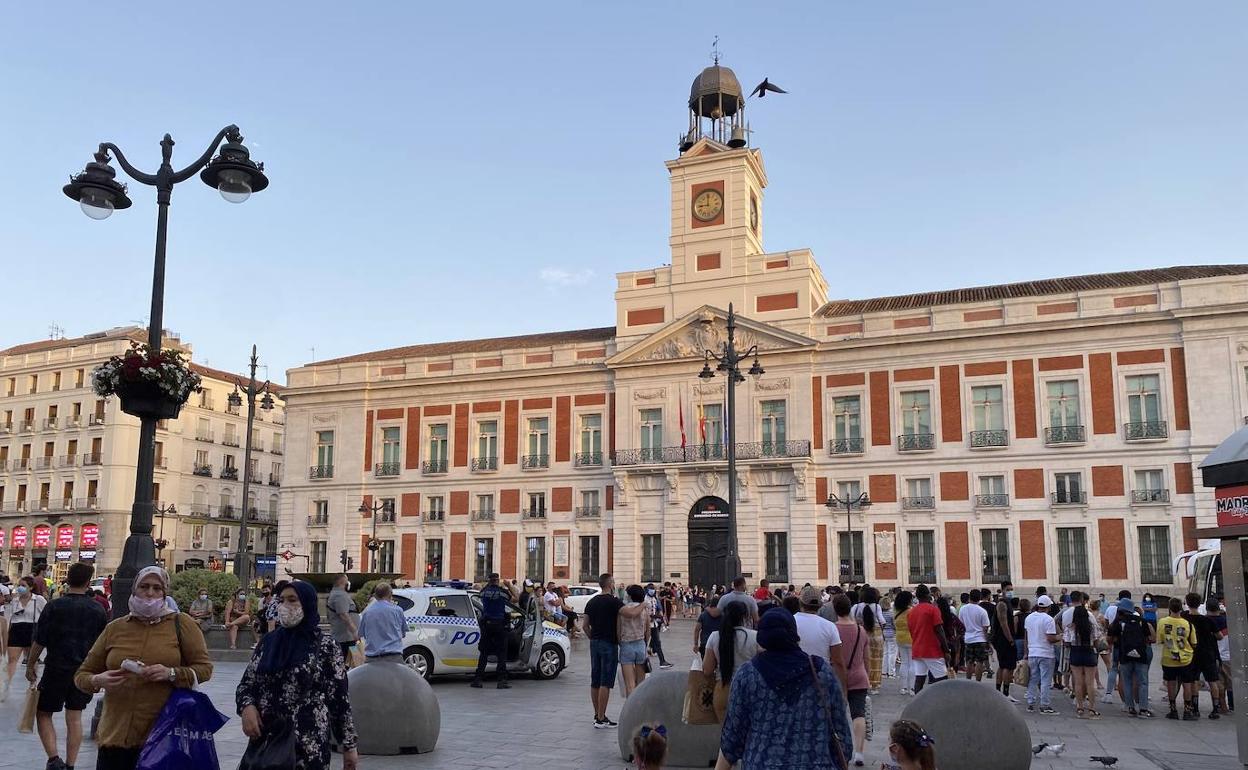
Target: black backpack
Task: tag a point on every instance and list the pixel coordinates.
(1133, 637)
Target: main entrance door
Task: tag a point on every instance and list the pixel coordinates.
(708, 543)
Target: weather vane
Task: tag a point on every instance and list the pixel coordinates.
(715, 51)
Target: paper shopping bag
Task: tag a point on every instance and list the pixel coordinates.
(699, 706)
(27, 723)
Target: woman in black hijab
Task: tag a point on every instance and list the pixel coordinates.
(786, 708)
(298, 674)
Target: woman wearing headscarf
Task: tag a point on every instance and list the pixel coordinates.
(164, 650)
(786, 708)
(297, 673)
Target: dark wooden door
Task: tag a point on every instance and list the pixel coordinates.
(708, 554)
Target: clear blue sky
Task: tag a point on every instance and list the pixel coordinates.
(456, 170)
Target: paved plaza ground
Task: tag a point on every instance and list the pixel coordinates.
(548, 725)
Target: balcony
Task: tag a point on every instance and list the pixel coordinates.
(257, 446)
(433, 516)
(95, 421)
(1146, 431)
(161, 463)
(207, 437)
(202, 470)
(924, 503)
(1073, 497)
(847, 446)
(92, 458)
(196, 509)
(386, 469)
(50, 423)
(318, 520)
(535, 513)
(16, 507)
(321, 472)
(205, 403)
(916, 442)
(230, 474)
(68, 461)
(73, 422)
(433, 467)
(1065, 434)
(20, 464)
(534, 462)
(486, 515)
(6, 427)
(480, 464)
(992, 501)
(989, 439)
(274, 481)
(26, 426)
(1147, 496)
(386, 516)
(588, 512)
(227, 512)
(86, 503)
(588, 460)
(43, 463)
(234, 410)
(762, 450)
(230, 441)
(921, 576)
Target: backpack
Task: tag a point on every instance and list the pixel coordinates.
(1133, 638)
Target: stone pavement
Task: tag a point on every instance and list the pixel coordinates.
(548, 726)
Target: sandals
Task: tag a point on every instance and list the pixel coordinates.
(1079, 713)
(1093, 714)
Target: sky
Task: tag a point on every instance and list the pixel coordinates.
(460, 170)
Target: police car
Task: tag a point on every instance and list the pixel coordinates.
(442, 635)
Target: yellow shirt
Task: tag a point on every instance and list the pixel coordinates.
(1178, 639)
(901, 627)
(131, 710)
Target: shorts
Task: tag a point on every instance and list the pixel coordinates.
(57, 691)
(934, 666)
(21, 634)
(1209, 670)
(633, 653)
(1007, 655)
(857, 704)
(1185, 674)
(1083, 656)
(1063, 657)
(604, 656)
(976, 652)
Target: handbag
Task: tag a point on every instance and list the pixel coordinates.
(827, 708)
(699, 706)
(26, 724)
(182, 738)
(273, 750)
(1022, 673)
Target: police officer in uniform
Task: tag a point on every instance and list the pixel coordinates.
(493, 641)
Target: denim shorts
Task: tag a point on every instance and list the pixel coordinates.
(633, 652)
(603, 658)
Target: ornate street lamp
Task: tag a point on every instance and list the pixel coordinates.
(861, 502)
(235, 176)
(161, 543)
(242, 563)
(372, 510)
(729, 363)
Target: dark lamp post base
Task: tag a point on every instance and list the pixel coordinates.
(732, 564)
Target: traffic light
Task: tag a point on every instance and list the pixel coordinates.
(342, 557)
(429, 568)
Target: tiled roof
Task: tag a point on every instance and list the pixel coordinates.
(601, 334)
(845, 307)
(126, 332)
(221, 374)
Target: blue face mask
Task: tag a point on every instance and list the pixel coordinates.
(650, 591)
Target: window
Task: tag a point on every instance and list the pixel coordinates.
(197, 537)
(320, 511)
(437, 448)
(453, 605)
(229, 439)
(847, 425)
(535, 558)
(318, 555)
(1072, 555)
(589, 558)
(1068, 489)
(390, 448)
(918, 494)
(385, 556)
(1150, 487)
(848, 490)
(992, 492)
(651, 434)
(227, 463)
(79, 377)
(773, 432)
(1143, 398)
(711, 425)
(591, 440)
(537, 505)
(433, 559)
(325, 449)
(651, 558)
(483, 561)
(1155, 555)
(56, 381)
(922, 553)
(987, 407)
(589, 502)
(850, 557)
(388, 508)
(10, 387)
(223, 538)
(485, 504)
(487, 445)
(916, 421)
(777, 549)
(995, 547)
(437, 511)
(1063, 398)
(34, 384)
(539, 440)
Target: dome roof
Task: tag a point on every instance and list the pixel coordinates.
(713, 87)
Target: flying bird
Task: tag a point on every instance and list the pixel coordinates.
(762, 88)
(1107, 761)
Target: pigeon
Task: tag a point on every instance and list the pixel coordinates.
(1035, 750)
(1107, 761)
(1057, 749)
(762, 88)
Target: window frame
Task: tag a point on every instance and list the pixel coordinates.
(1067, 565)
(1000, 537)
(913, 575)
(651, 562)
(776, 556)
(1162, 563)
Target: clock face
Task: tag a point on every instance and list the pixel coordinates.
(754, 214)
(707, 205)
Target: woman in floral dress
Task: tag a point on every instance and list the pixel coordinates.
(298, 673)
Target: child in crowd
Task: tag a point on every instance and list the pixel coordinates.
(650, 747)
(910, 747)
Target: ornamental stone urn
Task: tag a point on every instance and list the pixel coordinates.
(394, 708)
(974, 726)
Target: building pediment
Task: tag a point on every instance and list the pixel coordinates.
(707, 329)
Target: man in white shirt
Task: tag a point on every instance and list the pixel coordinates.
(1064, 621)
(551, 601)
(976, 621)
(819, 636)
(1038, 649)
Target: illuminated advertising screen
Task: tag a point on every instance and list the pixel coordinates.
(89, 537)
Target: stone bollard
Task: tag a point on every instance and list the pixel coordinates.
(394, 708)
(661, 699)
(974, 726)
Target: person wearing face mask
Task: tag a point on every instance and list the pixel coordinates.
(202, 609)
(22, 613)
(655, 606)
(161, 650)
(298, 674)
(237, 615)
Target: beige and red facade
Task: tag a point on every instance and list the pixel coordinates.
(1044, 431)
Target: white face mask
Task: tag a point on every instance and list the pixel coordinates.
(203, 596)
(289, 615)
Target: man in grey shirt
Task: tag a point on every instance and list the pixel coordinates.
(341, 605)
(738, 594)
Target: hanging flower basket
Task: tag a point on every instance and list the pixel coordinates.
(149, 385)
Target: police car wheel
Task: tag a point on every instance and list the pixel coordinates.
(420, 660)
(549, 662)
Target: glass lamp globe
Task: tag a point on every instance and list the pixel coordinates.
(234, 185)
(96, 204)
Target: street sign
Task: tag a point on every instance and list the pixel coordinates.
(287, 555)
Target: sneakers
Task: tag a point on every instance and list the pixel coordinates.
(1048, 710)
(1172, 714)
(503, 685)
(1011, 699)
(665, 665)
(1214, 715)
(56, 763)
(1107, 698)
(1146, 714)
(1031, 708)
(600, 724)
(857, 760)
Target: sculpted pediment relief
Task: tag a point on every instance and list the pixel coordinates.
(707, 329)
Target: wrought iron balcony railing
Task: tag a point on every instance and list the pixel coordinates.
(1150, 495)
(535, 513)
(92, 458)
(923, 503)
(923, 576)
(484, 464)
(6, 427)
(50, 423)
(916, 442)
(386, 469)
(321, 472)
(759, 450)
(43, 463)
(484, 515)
(230, 474)
(1065, 434)
(992, 501)
(207, 437)
(434, 516)
(588, 512)
(588, 459)
(95, 420)
(429, 467)
(386, 517)
(230, 441)
(985, 439)
(202, 470)
(1070, 498)
(68, 461)
(27, 426)
(847, 446)
(274, 481)
(1144, 431)
(534, 462)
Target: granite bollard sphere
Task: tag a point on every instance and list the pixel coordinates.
(974, 726)
(383, 688)
(661, 699)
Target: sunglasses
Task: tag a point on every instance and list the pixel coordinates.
(647, 729)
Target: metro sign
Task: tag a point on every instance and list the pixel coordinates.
(287, 555)
(1232, 505)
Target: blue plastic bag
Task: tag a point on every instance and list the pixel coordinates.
(182, 739)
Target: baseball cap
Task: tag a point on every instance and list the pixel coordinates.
(1044, 601)
(528, 583)
(810, 596)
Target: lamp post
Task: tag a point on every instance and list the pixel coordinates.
(161, 543)
(729, 363)
(242, 565)
(835, 503)
(372, 510)
(99, 193)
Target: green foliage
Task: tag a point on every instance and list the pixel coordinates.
(364, 593)
(221, 587)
